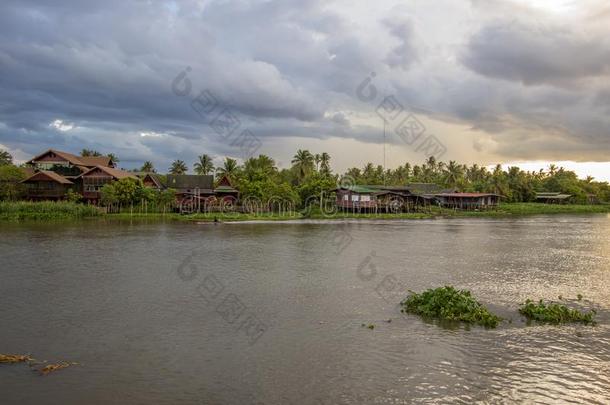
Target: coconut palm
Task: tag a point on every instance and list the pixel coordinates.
(148, 167)
(178, 167)
(204, 165)
(454, 174)
(303, 162)
(113, 157)
(229, 168)
(325, 163)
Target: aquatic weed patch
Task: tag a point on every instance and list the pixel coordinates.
(554, 313)
(448, 303)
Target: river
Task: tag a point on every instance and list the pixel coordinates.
(272, 313)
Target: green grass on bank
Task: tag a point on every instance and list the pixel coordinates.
(20, 211)
(45, 211)
(539, 209)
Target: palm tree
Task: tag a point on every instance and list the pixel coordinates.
(178, 167)
(5, 158)
(325, 163)
(148, 167)
(229, 168)
(317, 158)
(204, 165)
(303, 162)
(113, 157)
(453, 174)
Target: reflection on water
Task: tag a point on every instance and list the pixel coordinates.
(110, 297)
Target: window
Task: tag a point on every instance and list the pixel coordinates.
(355, 197)
(345, 197)
(365, 198)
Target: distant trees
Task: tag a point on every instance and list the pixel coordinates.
(89, 153)
(178, 167)
(5, 158)
(514, 184)
(204, 165)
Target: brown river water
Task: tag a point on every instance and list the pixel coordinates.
(272, 313)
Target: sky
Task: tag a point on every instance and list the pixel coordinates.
(479, 81)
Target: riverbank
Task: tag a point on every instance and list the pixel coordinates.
(51, 211)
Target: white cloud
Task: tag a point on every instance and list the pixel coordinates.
(62, 126)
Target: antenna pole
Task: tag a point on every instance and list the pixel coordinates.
(384, 170)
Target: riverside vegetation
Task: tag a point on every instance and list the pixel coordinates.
(310, 175)
(48, 210)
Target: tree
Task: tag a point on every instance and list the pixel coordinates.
(178, 167)
(204, 165)
(259, 168)
(73, 196)
(89, 153)
(166, 197)
(303, 163)
(109, 195)
(10, 187)
(148, 167)
(229, 168)
(5, 158)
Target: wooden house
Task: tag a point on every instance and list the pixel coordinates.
(468, 200)
(46, 185)
(151, 180)
(225, 191)
(97, 177)
(378, 198)
(55, 172)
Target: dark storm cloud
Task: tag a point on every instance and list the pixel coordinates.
(535, 53)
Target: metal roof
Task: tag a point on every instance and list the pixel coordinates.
(190, 181)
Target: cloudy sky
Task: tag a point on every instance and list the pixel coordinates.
(493, 81)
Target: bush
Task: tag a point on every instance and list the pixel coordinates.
(45, 210)
(554, 313)
(447, 303)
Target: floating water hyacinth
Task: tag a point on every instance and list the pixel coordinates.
(447, 303)
(555, 313)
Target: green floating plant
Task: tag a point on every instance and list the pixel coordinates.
(448, 303)
(554, 313)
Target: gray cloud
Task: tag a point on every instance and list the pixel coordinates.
(289, 70)
(535, 53)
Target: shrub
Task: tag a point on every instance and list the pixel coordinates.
(45, 210)
(447, 303)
